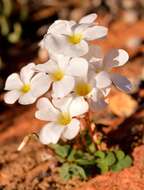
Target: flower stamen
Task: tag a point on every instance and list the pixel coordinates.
(83, 88)
(64, 118)
(26, 88)
(58, 75)
(75, 38)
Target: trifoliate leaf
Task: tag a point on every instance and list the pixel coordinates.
(102, 165)
(64, 171)
(100, 154)
(60, 150)
(67, 171)
(126, 162)
(110, 158)
(77, 171)
(120, 154)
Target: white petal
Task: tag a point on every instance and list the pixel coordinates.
(103, 80)
(27, 72)
(61, 45)
(80, 28)
(72, 129)
(63, 103)
(46, 111)
(115, 58)
(26, 99)
(12, 96)
(62, 61)
(77, 67)
(40, 84)
(13, 82)
(88, 18)
(63, 87)
(60, 27)
(78, 106)
(48, 67)
(50, 133)
(94, 53)
(97, 105)
(121, 82)
(78, 49)
(95, 32)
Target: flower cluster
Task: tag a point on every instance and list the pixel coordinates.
(77, 78)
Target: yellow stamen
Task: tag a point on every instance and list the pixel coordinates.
(25, 88)
(64, 118)
(58, 75)
(75, 38)
(83, 88)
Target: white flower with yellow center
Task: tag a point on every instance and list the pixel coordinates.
(62, 72)
(70, 38)
(87, 89)
(61, 115)
(101, 69)
(26, 87)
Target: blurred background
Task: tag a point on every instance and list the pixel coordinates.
(23, 24)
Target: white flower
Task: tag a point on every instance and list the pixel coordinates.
(26, 87)
(61, 116)
(62, 71)
(86, 87)
(102, 67)
(70, 38)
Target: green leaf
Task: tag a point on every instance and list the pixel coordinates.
(119, 154)
(79, 154)
(110, 158)
(60, 150)
(100, 154)
(117, 167)
(71, 156)
(67, 171)
(121, 164)
(85, 162)
(64, 171)
(92, 148)
(126, 162)
(102, 165)
(77, 171)
(60, 159)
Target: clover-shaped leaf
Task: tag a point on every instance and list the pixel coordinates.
(110, 158)
(119, 154)
(122, 163)
(60, 150)
(67, 171)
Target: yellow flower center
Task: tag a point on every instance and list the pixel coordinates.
(83, 88)
(26, 88)
(64, 118)
(75, 38)
(58, 75)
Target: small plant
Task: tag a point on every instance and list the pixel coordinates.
(75, 81)
(75, 162)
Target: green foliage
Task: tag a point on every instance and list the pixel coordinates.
(67, 171)
(10, 28)
(105, 160)
(123, 161)
(76, 162)
(60, 150)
